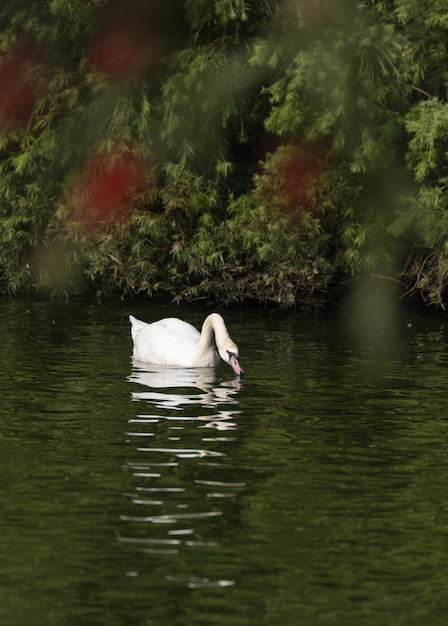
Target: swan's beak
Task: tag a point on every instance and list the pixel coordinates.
(233, 360)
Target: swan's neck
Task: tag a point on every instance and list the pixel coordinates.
(214, 332)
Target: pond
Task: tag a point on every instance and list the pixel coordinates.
(314, 493)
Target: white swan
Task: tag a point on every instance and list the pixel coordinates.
(174, 342)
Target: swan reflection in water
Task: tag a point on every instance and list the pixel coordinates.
(176, 388)
(171, 510)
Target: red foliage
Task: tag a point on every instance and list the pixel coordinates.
(21, 72)
(107, 185)
(298, 175)
(127, 42)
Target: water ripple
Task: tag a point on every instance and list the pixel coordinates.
(197, 583)
(174, 504)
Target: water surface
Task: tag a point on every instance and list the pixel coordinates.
(315, 493)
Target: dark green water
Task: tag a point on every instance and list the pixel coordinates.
(316, 494)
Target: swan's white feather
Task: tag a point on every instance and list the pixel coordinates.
(176, 343)
(170, 341)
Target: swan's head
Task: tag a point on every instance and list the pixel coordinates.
(228, 351)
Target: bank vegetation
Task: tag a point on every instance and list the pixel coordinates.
(270, 152)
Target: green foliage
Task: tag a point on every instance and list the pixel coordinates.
(289, 147)
(187, 251)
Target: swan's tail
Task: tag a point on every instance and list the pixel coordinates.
(136, 325)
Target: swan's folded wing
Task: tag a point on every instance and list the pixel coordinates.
(168, 342)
